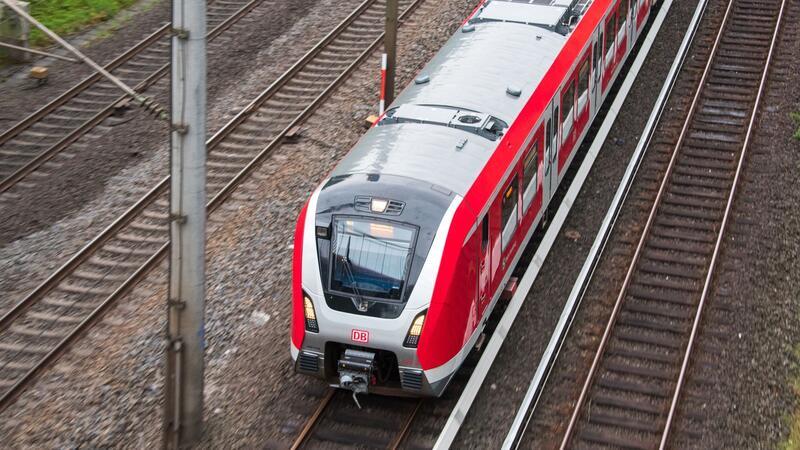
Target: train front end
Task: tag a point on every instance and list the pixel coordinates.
(363, 280)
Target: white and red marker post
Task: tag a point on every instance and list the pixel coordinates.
(384, 64)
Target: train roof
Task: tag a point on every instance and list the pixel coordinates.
(444, 156)
(477, 69)
(488, 69)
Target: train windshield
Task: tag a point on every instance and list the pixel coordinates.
(370, 259)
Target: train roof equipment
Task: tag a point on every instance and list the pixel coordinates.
(450, 119)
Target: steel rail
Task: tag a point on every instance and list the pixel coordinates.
(87, 251)
(651, 217)
(542, 375)
(29, 167)
(316, 416)
(723, 227)
(288, 74)
(82, 86)
(312, 421)
(163, 185)
(395, 444)
(646, 233)
(143, 101)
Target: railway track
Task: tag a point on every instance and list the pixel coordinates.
(381, 422)
(38, 138)
(634, 386)
(35, 331)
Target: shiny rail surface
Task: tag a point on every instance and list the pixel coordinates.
(381, 422)
(35, 140)
(633, 388)
(36, 331)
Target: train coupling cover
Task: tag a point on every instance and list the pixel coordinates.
(355, 372)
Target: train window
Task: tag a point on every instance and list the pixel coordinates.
(485, 233)
(597, 52)
(610, 33)
(530, 172)
(508, 213)
(583, 85)
(548, 135)
(623, 13)
(555, 124)
(567, 108)
(622, 22)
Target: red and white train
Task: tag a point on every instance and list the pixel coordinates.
(403, 251)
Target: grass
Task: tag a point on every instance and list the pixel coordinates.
(69, 16)
(796, 117)
(793, 441)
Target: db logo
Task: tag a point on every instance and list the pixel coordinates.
(359, 336)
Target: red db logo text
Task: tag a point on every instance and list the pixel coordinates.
(360, 336)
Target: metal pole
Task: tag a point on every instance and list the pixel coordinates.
(183, 406)
(141, 99)
(390, 43)
(38, 52)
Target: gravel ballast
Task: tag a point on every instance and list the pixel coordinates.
(739, 390)
(106, 392)
(103, 43)
(114, 166)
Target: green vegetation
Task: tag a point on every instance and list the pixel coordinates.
(793, 441)
(69, 16)
(796, 117)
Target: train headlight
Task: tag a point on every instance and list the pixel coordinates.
(412, 338)
(311, 315)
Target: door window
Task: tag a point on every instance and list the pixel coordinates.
(568, 106)
(583, 85)
(623, 14)
(598, 52)
(485, 234)
(530, 172)
(509, 213)
(548, 136)
(555, 128)
(610, 33)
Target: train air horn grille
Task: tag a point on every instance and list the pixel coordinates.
(308, 362)
(412, 379)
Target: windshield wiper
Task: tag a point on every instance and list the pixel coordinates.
(345, 259)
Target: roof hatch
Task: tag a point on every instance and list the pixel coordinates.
(544, 14)
(555, 15)
(474, 122)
